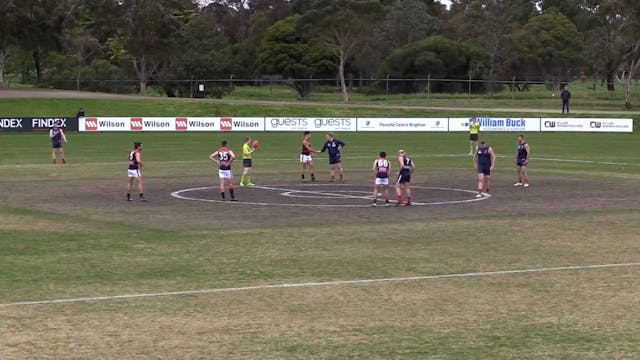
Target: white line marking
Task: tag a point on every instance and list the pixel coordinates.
(296, 160)
(287, 192)
(316, 284)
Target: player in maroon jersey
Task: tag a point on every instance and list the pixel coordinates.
(224, 157)
(305, 156)
(381, 168)
(134, 173)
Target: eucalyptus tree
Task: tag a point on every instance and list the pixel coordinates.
(344, 26)
(288, 50)
(8, 39)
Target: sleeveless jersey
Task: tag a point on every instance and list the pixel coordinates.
(484, 157)
(56, 135)
(225, 158)
(306, 147)
(522, 151)
(382, 168)
(133, 161)
(406, 165)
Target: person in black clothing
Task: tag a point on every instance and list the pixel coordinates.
(565, 95)
(80, 113)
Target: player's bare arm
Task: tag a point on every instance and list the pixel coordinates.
(232, 156)
(493, 158)
(213, 157)
(526, 147)
(63, 136)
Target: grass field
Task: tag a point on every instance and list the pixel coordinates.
(548, 272)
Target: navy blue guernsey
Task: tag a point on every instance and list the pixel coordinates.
(484, 158)
(406, 165)
(56, 136)
(522, 151)
(333, 146)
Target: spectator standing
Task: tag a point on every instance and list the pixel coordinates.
(565, 95)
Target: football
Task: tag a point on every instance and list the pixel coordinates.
(255, 144)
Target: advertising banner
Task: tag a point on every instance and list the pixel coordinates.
(241, 123)
(309, 123)
(403, 124)
(16, 124)
(496, 124)
(586, 125)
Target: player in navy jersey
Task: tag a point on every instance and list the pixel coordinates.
(406, 168)
(381, 168)
(522, 160)
(224, 157)
(334, 146)
(56, 134)
(134, 173)
(484, 160)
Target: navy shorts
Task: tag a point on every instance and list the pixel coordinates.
(404, 178)
(521, 162)
(484, 170)
(473, 137)
(246, 162)
(56, 144)
(334, 160)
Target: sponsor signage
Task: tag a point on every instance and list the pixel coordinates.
(171, 124)
(37, 123)
(403, 124)
(316, 124)
(241, 124)
(496, 124)
(586, 125)
(309, 123)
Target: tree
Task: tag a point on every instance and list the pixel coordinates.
(288, 51)
(344, 25)
(439, 57)
(147, 30)
(41, 27)
(488, 24)
(7, 34)
(622, 18)
(202, 52)
(549, 47)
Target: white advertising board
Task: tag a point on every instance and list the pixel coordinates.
(241, 123)
(586, 125)
(171, 124)
(496, 124)
(403, 124)
(309, 123)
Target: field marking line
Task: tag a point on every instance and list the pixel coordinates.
(318, 284)
(287, 192)
(296, 160)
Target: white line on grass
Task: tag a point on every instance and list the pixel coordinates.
(296, 160)
(315, 284)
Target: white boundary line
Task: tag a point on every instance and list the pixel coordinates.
(296, 160)
(316, 284)
(287, 193)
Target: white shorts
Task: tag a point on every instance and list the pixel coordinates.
(225, 174)
(305, 158)
(134, 173)
(382, 181)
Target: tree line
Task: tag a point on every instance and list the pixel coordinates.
(74, 43)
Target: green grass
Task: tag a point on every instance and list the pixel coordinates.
(66, 232)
